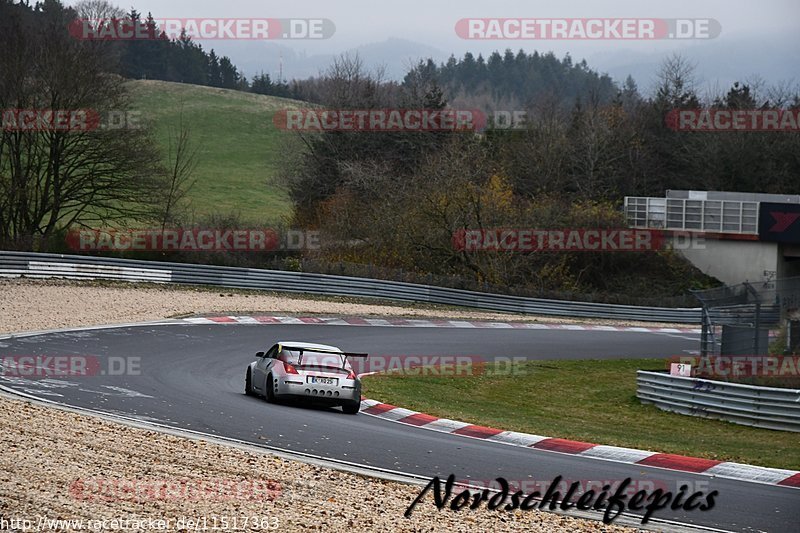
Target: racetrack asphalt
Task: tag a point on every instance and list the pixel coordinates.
(191, 376)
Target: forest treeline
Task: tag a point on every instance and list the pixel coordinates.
(391, 201)
(397, 199)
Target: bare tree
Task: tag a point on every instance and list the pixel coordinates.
(96, 10)
(90, 174)
(182, 160)
(782, 94)
(677, 82)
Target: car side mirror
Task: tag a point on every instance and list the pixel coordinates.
(259, 355)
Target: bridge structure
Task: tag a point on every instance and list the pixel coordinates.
(732, 236)
(750, 242)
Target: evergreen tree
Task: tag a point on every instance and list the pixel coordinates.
(213, 72)
(262, 84)
(229, 76)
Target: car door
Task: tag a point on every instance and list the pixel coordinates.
(263, 367)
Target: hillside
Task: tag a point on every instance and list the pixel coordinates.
(238, 146)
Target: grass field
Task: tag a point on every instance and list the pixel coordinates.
(238, 145)
(590, 401)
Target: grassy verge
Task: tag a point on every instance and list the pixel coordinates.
(238, 145)
(591, 401)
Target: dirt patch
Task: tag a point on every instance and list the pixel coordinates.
(60, 465)
(33, 305)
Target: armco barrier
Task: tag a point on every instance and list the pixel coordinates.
(763, 407)
(84, 267)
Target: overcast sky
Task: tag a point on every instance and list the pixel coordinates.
(766, 29)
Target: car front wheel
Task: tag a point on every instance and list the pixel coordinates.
(248, 383)
(269, 385)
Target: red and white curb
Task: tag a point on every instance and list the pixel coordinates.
(419, 323)
(743, 472)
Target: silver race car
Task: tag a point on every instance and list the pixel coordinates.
(301, 370)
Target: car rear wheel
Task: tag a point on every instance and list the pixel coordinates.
(248, 383)
(270, 386)
(351, 408)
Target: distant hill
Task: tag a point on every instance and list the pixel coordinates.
(238, 145)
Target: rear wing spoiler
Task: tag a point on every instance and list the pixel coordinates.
(320, 350)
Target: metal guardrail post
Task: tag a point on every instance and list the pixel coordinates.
(704, 334)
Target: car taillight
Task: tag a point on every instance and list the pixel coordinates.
(290, 369)
(351, 375)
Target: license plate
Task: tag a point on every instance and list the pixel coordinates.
(323, 381)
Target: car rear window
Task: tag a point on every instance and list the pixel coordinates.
(321, 360)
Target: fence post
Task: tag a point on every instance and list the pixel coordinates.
(704, 333)
(757, 318)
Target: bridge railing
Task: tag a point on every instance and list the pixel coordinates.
(714, 216)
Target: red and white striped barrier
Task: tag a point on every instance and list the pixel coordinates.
(771, 476)
(423, 323)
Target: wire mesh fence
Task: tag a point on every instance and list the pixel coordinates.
(739, 319)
